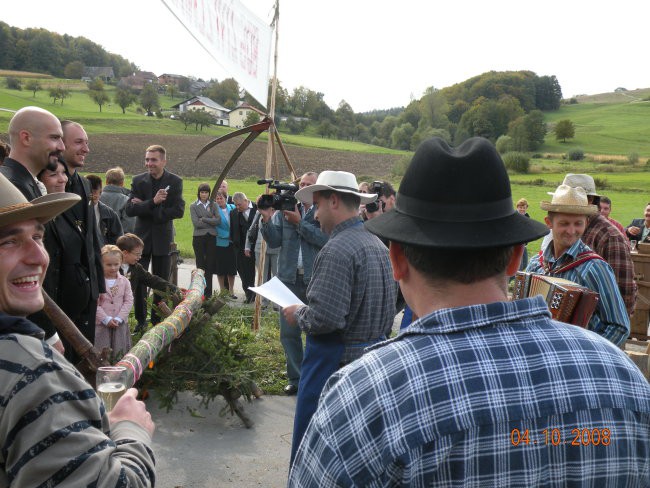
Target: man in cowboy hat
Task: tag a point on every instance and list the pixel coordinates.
(472, 393)
(54, 430)
(351, 295)
(568, 257)
(607, 241)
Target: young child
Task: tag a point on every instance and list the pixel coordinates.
(131, 247)
(113, 307)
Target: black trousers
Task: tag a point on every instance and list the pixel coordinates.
(85, 322)
(246, 270)
(205, 253)
(160, 266)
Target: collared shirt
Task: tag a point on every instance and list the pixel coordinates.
(351, 290)
(298, 243)
(610, 319)
(439, 405)
(614, 248)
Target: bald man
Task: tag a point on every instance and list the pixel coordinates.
(36, 140)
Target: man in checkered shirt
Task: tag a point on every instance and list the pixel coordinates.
(478, 391)
(351, 295)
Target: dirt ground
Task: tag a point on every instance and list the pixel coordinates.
(126, 150)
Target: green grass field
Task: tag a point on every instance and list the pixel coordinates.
(617, 128)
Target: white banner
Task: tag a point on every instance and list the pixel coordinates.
(233, 36)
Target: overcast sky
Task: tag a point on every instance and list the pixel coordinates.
(378, 53)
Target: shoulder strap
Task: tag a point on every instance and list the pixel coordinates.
(580, 258)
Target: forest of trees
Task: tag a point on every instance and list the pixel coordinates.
(494, 105)
(43, 51)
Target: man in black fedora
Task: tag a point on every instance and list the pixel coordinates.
(478, 391)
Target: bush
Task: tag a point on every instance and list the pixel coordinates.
(601, 183)
(504, 144)
(399, 168)
(633, 158)
(14, 83)
(517, 161)
(536, 156)
(575, 154)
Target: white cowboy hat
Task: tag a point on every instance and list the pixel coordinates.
(569, 200)
(583, 181)
(339, 181)
(14, 207)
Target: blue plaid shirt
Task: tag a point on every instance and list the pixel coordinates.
(610, 319)
(439, 405)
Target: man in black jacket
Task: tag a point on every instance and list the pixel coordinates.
(80, 301)
(241, 218)
(36, 141)
(156, 199)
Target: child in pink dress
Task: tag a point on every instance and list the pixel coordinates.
(113, 307)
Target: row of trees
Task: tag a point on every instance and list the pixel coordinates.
(43, 51)
(489, 105)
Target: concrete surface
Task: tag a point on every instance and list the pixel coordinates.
(210, 450)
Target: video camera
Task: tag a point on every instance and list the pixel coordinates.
(282, 199)
(378, 188)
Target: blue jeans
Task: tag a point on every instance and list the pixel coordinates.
(290, 336)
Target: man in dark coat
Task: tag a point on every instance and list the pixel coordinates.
(241, 218)
(36, 140)
(156, 199)
(80, 301)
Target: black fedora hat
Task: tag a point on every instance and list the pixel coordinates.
(456, 198)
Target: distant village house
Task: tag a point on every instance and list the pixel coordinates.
(219, 112)
(240, 112)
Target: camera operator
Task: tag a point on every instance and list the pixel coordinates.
(299, 235)
(385, 199)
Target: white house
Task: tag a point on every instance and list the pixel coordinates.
(240, 112)
(219, 112)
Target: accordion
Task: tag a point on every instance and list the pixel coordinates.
(568, 301)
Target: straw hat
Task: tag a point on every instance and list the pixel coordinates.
(569, 200)
(14, 207)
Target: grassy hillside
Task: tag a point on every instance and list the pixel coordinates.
(609, 124)
(604, 128)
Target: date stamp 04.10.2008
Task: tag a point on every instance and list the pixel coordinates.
(556, 437)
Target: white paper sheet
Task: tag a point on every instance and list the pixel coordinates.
(277, 292)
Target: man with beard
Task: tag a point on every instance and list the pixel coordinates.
(80, 275)
(36, 140)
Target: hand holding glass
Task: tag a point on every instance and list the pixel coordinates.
(111, 384)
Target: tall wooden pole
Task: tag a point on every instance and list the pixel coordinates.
(270, 159)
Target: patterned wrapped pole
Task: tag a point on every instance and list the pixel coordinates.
(163, 334)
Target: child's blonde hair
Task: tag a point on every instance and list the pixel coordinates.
(111, 249)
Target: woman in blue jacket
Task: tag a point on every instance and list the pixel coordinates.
(226, 266)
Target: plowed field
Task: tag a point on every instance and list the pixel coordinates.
(108, 150)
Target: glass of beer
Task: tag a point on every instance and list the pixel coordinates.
(111, 384)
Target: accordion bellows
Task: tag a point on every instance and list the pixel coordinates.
(568, 301)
